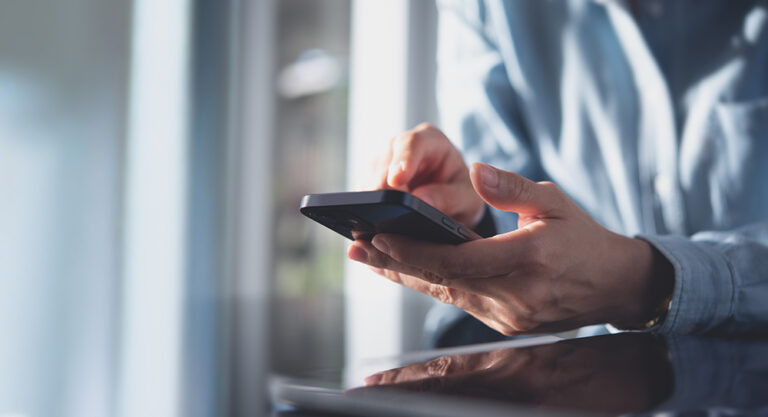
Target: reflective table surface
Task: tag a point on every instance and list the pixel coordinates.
(630, 373)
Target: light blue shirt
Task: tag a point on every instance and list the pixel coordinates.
(651, 115)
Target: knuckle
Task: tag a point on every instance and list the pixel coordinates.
(517, 323)
(440, 366)
(406, 140)
(526, 311)
(508, 331)
(424, 126)
(520, 315)
(442, 293)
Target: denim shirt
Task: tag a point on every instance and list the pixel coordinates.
(651, 115)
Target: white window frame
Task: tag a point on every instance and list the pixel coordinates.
(392, 70)
(155, 211)
(156, 219)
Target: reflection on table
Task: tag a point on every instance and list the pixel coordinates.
(616, 374)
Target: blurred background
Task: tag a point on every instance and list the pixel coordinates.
(152, 158)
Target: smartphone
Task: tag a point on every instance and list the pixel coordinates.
(363, 214)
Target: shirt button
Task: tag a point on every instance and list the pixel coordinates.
(663, 185)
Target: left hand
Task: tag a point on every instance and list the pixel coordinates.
(559, 270)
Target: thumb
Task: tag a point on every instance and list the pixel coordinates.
(508, 191)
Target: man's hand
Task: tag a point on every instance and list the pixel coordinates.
(425, 163)
(560, 270)
(617, 374)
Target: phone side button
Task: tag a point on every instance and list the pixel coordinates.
(464, 233)
(448, 222)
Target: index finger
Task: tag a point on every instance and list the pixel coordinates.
(416, 153)
(482, 258)
(438, 367)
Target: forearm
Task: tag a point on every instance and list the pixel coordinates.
(650, 280)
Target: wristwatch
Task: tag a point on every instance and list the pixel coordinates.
(659, 314)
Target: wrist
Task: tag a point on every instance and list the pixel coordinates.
(649, 278)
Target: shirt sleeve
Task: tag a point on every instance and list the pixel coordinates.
(721, 281)
(480, 111)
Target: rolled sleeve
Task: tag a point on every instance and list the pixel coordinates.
(703, 294)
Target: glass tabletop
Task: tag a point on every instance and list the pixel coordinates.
(629, 373)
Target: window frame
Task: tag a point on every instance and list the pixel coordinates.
(392, 89)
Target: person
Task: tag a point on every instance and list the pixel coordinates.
(620, 148)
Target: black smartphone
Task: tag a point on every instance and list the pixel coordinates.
(363, 214)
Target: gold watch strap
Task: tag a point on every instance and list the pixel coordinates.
(659, 314)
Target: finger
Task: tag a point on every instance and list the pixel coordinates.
(378, 271)
(494, 269)
(467, 301)
(480, 307)
(415, 372)
(376, 178)
(439, 367)
(418, 155)
(454, 199)
(381, 168)
(473, 296)
(413, 278)
(363, 251)
(511, 361)
(451, 264)
(511, 192)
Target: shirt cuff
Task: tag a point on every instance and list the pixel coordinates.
(703, 293)
(486, 227)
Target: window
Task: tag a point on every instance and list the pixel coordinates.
(310, 131)
(152, 159)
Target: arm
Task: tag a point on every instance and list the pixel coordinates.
(721, 281)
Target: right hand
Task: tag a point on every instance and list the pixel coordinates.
(616, 374)
(423, 162)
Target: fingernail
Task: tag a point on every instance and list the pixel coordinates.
(489, 176)
(381, 245)
(372, 380)
(379, 271)
(401, 166)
